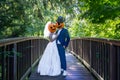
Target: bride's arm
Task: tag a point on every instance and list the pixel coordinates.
(52, 38)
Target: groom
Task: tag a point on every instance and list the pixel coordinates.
(62, 42)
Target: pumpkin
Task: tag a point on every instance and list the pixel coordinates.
(52, 27)
(59, 25)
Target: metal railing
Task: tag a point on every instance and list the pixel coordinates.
(101, 56)
(18, 56)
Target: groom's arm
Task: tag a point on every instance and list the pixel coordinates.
(67, 39)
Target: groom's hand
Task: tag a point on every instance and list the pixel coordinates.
(64, 47)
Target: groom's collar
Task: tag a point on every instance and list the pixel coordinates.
(60, 29)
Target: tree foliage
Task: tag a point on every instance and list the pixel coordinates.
(28, 17)
(83, 18)
(101, 18)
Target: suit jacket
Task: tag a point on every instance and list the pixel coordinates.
(64, 37)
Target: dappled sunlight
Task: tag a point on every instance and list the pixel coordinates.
(72, 68)
(75, 70)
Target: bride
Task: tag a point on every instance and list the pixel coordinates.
(49, 63)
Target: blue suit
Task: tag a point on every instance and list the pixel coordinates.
(64, 39)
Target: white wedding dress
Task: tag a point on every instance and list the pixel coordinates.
(49, 63)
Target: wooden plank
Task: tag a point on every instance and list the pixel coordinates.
(75, 70)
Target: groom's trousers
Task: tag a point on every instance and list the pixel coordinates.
(61, 52)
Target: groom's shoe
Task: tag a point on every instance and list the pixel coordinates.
(64, 73)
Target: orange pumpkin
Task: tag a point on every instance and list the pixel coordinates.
(59, 25)
(51, 28)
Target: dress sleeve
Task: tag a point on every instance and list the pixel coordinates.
(52, 37)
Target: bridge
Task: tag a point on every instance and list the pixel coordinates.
(87, 59)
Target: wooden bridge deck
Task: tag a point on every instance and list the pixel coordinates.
(76, 71)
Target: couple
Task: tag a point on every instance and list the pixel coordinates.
(53, 60)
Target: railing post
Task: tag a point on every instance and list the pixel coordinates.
(31, 52)
(90, 56)
(3, 63)
(15, 62)
(82, 48)
(118, 63)
(113, 67)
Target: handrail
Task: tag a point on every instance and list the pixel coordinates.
(105, 40)
(16, 40)
(19, 55)
(100, 56)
